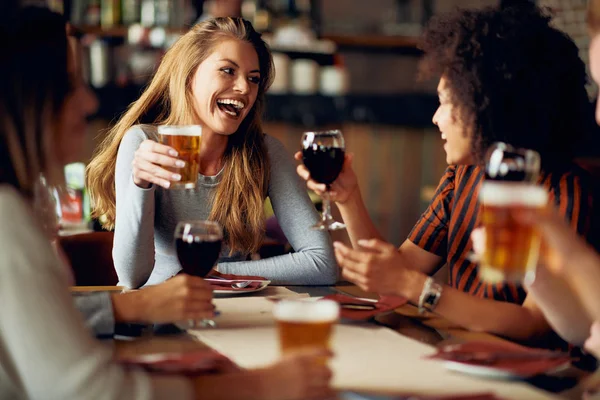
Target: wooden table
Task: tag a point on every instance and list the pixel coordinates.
(429, 329)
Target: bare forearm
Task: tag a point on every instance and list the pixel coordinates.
(562, 308)
(358, 222)
(126, 307)
(584, 277)
(248, 386)
(483, 315)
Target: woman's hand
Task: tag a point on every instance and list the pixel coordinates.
(592, 344)
(376, 267)
(341, 189)
(561, 245)
(181, 298)
(297, 376)
(154, 163)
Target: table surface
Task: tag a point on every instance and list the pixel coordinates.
(428, 329)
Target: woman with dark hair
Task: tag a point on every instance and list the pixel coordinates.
(46, 351)
(505, 75)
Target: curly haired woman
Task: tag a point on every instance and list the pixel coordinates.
(505, 75)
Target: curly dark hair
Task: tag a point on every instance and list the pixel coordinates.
(512, 77)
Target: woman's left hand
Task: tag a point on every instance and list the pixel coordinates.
(376, 267)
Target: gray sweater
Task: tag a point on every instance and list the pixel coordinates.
(45, 350)
(143, 250)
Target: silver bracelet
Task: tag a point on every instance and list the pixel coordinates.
(430, 296)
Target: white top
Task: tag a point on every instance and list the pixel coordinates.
(45, 350)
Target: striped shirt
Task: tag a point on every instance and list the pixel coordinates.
(445, 227)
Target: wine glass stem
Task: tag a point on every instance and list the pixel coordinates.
(326, 206)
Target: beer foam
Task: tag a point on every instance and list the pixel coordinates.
(180, 130)
(512, 193)
(306, 311)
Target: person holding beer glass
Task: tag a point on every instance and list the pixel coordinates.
(506, 75)
(567, 281)
(46, 350)
(215, 76)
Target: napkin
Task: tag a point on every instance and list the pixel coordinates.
(220, 281)
(510, 357)
(190, 363)
(218, 275)
(227, 284)
(384, 304)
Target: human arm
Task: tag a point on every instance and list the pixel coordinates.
(49, 351)
(297, 376)
(345, 192)
(375, 267)
(180, 298)
(133, 248)
(554, 297)
(592, 344)
(570, 258)
(313, 262)
(97, 311)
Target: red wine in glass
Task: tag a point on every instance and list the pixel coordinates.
(323, 155)
(198, 246)
(323, 162)
(198, 254)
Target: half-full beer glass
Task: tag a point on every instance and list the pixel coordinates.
(185, 139)
(511, 248)
(303, 324)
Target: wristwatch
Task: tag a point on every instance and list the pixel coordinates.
(430, 296)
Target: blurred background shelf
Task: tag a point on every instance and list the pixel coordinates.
(374, 41)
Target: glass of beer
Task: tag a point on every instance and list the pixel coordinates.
(511, 248)
(185, 139)
(305, 324)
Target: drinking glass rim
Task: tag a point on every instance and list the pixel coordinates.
(310, 136)
(200, 222)
(180, 130)
(325, 132)
(331, 310)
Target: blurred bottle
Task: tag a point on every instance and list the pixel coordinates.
(162, 13)
(57, 6)
(148, 13)
(131, 11)
(73, 198)
(99, 64)
(110, 13)
(92, 13)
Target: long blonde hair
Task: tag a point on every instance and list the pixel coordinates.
(238, 201)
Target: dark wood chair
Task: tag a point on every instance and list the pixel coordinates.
(90, 255)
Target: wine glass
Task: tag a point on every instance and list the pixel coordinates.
(323, 155)
(198, 246)
(503, 162)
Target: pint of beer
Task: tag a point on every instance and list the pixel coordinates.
(186, 140)
(303, 324)
(511, 249)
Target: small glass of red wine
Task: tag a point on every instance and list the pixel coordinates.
(323, 155)
(198, 246)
